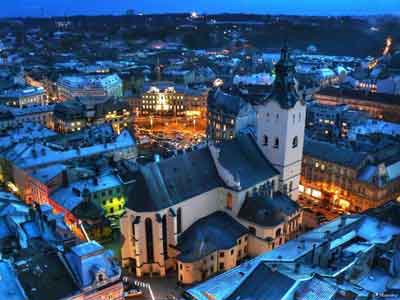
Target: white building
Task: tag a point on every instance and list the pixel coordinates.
(23, 97)
(240, 187)
(89, 85)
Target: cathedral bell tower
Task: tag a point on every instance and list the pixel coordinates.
(280, 125)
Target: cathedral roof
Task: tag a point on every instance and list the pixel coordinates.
(218, 231)
(264, 210)
(166, 183)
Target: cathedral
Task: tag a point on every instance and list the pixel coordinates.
(205, 211)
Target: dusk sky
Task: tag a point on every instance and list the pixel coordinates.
(12, 8)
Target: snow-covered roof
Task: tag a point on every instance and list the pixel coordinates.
(28, 156)
(254, 79)
(68, 199)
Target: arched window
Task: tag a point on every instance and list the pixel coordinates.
(276, 143)
(295, 142)
(278, 232)
(179, 220)
(229, 201)
(265, 140)
(149, 240)
(165, 236)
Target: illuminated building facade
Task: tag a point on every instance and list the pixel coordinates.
(74, 115)
(70, 87)
(332, 121)
(343, 178)
(169, 99)
(227, 116)
(24, 97)
(378, 106)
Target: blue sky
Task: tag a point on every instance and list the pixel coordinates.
(11, 8)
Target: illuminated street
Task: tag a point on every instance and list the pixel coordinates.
(179, 133)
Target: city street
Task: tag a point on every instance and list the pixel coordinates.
(163, 288)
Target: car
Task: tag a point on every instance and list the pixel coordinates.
(132, 293)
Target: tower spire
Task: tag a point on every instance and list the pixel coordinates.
(284, 90)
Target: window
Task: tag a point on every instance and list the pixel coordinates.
(149, 240)
(221, 254)
(229, 201)
(295, 142)
(232, 251)
(180, 266)
(179, 220)
(265, 140)
(212, 257)
(221, 266)
(278, 232)
(276, 144)
(133, 230)
(252, 230)
(294, 118)
(290, 186)
(165, 236)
